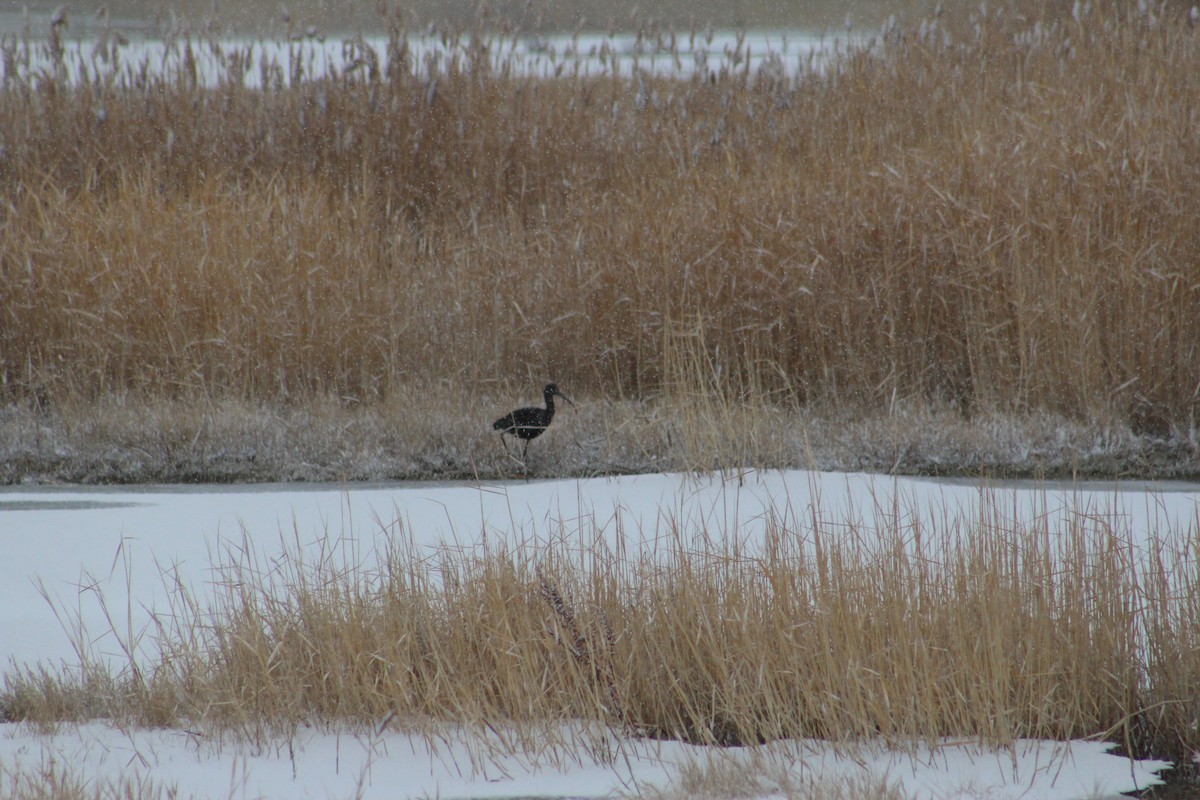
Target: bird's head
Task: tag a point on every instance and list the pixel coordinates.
(552, 389)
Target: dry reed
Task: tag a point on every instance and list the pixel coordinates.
(965, 215)
(56, 781)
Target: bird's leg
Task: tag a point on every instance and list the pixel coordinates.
(508, 452)
(525, 460)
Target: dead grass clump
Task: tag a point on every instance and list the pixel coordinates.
(718, 777)
(41, 694)
(57, 781)
(1017, 241)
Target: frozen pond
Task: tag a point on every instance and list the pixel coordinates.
(254, 63)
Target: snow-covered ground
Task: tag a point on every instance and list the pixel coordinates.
(100, 554)
(395, 766)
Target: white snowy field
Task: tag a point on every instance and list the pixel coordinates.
(100, 556)
(395, 766)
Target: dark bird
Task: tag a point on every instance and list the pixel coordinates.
(529, 423)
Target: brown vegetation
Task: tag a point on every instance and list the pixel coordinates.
(993, 214)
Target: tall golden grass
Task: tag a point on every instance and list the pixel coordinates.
(993, 211)
(892, 629)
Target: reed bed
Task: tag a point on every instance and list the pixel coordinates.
(959, 215)
(895, 630)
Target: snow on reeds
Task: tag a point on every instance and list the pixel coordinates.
(960, 215)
